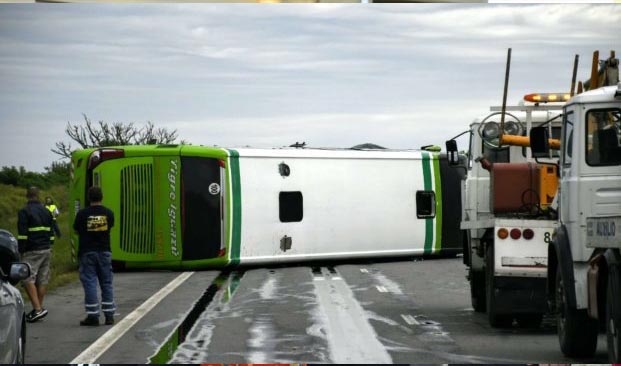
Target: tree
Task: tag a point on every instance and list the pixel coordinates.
(112, 134)
(22, 178)
(58, 173)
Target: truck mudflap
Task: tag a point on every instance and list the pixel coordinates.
(560, 249)
(521, 295)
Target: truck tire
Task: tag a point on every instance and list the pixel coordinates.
(577, 332)
(477, 290)
(613, 315)
(495, 320)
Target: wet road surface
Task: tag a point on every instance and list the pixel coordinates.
(408, 311)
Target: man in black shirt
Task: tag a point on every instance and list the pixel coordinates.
(35, 237)
(93, 225)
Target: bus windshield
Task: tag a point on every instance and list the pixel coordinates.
(201, 208)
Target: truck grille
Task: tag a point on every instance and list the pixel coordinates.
(137, 209)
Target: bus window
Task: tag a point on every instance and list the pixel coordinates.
(290, 206)
(201, 221)
(425, 204)
(603, 131)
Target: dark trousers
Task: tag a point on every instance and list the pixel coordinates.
(97, 267)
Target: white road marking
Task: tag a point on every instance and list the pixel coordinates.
(410, 319)
(101, 345)
(349, 335)
(390, 285)
(381, 289)
(364, 270)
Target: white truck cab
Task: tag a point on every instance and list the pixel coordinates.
(584, 256)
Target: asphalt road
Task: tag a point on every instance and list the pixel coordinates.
(408, 311)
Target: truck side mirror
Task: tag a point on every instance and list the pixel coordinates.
(539, 144)
(452, 156)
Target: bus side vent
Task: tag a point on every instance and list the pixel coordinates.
(137, 209)
(285, 243)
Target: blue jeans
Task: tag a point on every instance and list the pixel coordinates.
(97, 267)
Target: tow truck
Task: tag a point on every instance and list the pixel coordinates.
(509, 209)
(584, 255)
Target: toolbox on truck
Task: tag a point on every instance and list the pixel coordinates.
(522, 187)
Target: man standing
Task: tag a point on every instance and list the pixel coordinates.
(34, 227)
(93, 225)
(49, 204)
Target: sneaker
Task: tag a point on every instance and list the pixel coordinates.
(36, 315)
(109, 320)
(90, 320)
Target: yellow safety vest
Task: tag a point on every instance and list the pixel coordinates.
(53, 210)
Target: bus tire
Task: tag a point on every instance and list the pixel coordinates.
(577, 332)
(495, 320)
(477, 290)
(529, 320)
(613, 315)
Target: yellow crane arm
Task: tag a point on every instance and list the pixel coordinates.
(524, 141)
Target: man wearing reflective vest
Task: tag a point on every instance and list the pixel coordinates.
(35, 236)
(49, 204)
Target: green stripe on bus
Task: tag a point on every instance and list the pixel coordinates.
(22, 237)
(438, 190)
(428, 187)
(237, 204)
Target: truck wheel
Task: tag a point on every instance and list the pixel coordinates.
(613, 312)
(495, 320)
(577, 332)
(477, 290)
(529, 320)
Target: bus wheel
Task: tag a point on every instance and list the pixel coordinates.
(577, 332)
(529, 320)
(613, 312)
(477, 290)
(495, 320)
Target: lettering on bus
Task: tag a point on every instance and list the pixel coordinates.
(172, 207)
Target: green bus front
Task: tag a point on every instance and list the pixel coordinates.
(171, 203)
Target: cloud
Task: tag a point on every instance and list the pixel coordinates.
(334, 74)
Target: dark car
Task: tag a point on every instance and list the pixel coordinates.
(12, 313)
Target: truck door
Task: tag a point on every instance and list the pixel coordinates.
(568, 185)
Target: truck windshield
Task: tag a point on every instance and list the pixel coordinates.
(201, 211)
(603, 132)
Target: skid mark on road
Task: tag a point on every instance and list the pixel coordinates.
(344, 323)
(261, 342)
(268, 289)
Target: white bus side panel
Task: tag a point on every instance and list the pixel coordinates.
(352, 208)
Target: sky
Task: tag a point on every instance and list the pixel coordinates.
(269, 75)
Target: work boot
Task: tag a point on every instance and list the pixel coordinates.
(90, 320)
(109, 319)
